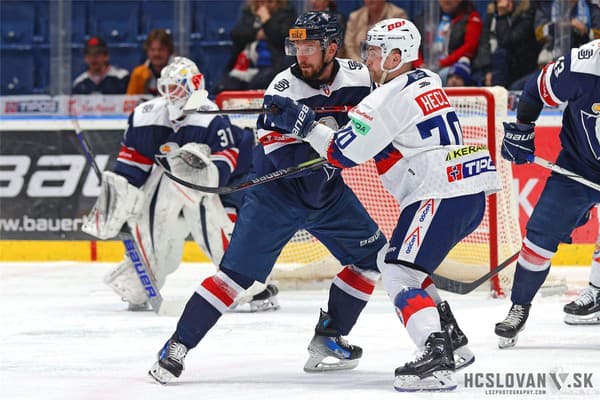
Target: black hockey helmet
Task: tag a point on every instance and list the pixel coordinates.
(314, 25)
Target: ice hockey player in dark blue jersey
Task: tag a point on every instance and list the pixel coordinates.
(572, 79)
(161, 213)
(318, 201)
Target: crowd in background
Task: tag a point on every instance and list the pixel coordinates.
(504, 47)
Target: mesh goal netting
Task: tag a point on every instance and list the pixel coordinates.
(481, 112)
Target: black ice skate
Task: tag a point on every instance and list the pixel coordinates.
(170, 361)
(265, 300)
(509, 329)
(584, 310)
(463, 356)
(433, 370)
(327, 343)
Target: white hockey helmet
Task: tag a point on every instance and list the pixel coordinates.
(394, 33)
(177, 82)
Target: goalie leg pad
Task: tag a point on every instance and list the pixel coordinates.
(210, 226)
(117, 203)
(125, 282)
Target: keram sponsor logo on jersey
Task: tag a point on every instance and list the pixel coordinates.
(470, 168)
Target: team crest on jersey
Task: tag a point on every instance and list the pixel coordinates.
(326, 90)
(282, 85)
(596, 108)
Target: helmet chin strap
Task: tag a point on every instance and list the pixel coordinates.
(385, 72)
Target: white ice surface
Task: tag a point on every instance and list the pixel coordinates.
(65, 335)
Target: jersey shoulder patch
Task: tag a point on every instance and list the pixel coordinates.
(153, 112)
(281, 83)
(353, 73)
(586, 59)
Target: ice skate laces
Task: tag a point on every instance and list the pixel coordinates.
(515, 315)
(176, 351)
(420, 354)
(587, 296)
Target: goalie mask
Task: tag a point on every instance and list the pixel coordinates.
(390, 34)
(313, 25)
(177, 82)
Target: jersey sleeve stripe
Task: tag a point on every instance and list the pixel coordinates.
(229, 156)
(545, 88)
(337, 158)
(387, 158)
(130, 156)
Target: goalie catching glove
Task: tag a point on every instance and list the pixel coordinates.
(518, 145)
(118, 203)
(192, 163)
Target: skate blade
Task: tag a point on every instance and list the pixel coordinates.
(439, 381)
(270, 304)
(463, 357)
(592, 319)
(160, 375)
(507, 343)
(318, 363)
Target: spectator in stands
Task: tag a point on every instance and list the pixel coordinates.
(100, 77)
(508, 50)
(457, 35)
(159, 50)
(361, 20)
(584, 21)
(459, 74)
(329, 6)
(258, 45)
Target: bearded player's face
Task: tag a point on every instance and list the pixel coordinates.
(310, 58)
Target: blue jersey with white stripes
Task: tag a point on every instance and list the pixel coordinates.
(573, 79)
(315, 189)
(149, 128)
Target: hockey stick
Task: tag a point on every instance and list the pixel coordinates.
(560, 170)
(197, 103)
(318, 110)
(459, 287)
(143, 271)
(272, 176)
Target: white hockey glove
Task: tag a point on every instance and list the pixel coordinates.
(192, 163)
(117, 203)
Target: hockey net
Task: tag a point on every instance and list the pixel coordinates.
(481, 112)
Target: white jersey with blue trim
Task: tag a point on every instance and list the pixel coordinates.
(413, 133)
(575, 79)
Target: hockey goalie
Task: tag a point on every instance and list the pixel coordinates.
(205, 149)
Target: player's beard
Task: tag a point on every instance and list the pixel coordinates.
(312, 72)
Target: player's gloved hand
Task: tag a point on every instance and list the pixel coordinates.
(518, 145)
(287, 116)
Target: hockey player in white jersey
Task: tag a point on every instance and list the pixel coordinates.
(161, 213)
(409, 128)
(573, 79)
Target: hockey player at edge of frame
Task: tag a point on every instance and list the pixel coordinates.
(208, 150)
(316, 200)
(563, 204)
(585, 309)
(409, 128)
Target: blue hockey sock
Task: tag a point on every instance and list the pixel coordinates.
(343, 309)
(526, 284)
(197, 319)
(202, 311)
